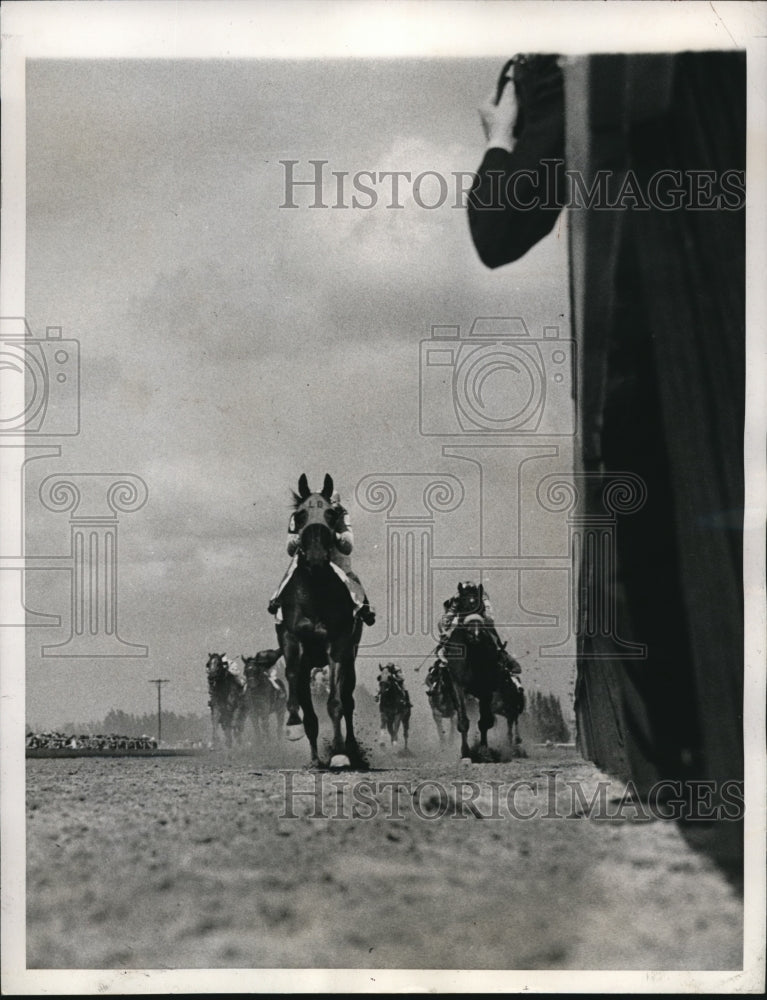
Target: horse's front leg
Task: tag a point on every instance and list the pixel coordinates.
(440, 724)
(384, 727)
(213, 733)
(462, 720)
(258, 726)
(279, 713)
(292, 653)
(341, 699)
(311, 722)
(441, 731)
(394, 730)
(335, 708)
(486, 718)
(348, 683)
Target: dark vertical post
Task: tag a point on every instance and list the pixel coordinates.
(159, 681)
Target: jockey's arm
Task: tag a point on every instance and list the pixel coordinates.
(489, 614)
(344, 536)
(293, 536)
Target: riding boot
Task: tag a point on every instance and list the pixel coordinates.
(275, 602)
(367, 614)
(360, 598)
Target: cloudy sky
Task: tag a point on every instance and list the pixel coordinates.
(229, 344)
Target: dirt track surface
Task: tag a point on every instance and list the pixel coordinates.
(204, 863)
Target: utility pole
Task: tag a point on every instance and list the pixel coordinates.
(159, 681)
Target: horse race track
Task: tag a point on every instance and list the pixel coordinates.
(208, 862)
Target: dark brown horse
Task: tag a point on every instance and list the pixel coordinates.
(319, 627)
(393, 705)
(509, 699)
(226, 700)
(474, 664)
(442, 703)
(263, 697)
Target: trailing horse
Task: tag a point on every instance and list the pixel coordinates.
(394, 707)
(442, 703)
(473, 661)
(263, 698)
(319, 627)
(226, 700)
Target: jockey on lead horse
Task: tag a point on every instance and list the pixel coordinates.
(340, 560)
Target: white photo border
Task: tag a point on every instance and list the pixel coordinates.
(342, 29)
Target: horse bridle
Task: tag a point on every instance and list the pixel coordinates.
(474, 623)
(319, 514)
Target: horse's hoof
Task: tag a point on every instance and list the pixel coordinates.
(294, 732)
(466, 760)
(395, 745)
(339, 760)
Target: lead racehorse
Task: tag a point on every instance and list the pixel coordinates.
(319, 627)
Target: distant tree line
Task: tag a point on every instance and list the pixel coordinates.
(175, 727)
(545, 717)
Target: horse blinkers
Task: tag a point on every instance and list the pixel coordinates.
(474, 624)
(315, 521)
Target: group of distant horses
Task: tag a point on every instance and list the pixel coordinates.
(232, 700)
(319, 636)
